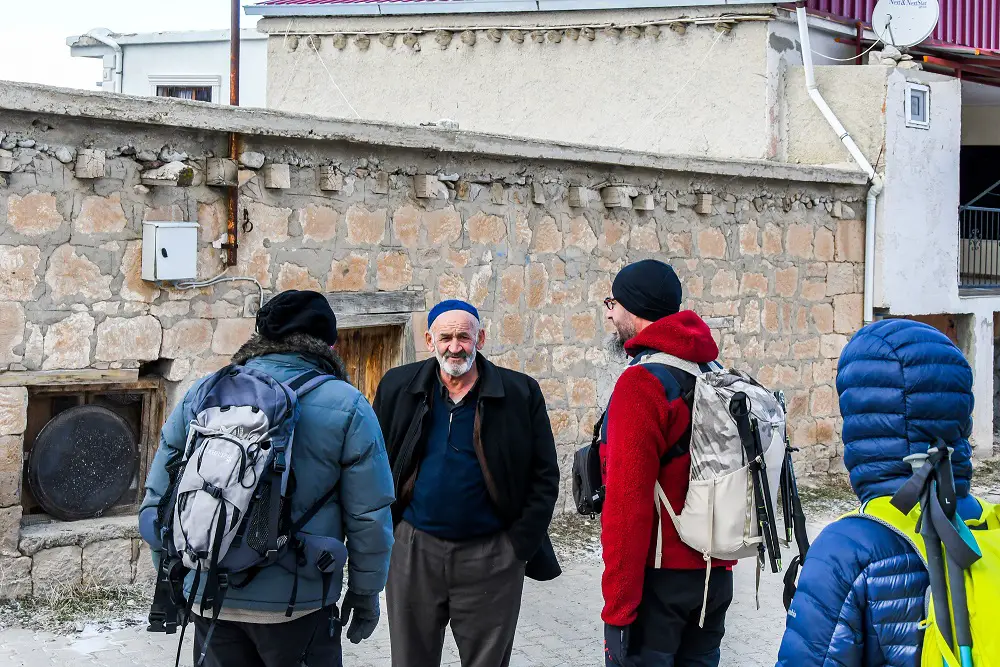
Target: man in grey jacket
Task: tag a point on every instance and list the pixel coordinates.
(337, 440)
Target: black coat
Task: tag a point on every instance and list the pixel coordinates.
(513, 440)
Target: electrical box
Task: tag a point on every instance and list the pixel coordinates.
(169, 250)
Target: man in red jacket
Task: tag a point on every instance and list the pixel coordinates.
(655, 585)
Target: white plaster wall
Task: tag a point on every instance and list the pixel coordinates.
(917, 230)
(981, 125)
(855, 93)
(670, 94)
(198, 58)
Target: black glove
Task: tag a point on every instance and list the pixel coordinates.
(616, 640)
(365, 608)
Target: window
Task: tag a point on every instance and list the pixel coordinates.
(917, 106)
(197, 93)
(198, 87)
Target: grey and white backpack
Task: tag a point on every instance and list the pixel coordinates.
(227, 513)
(740, 457)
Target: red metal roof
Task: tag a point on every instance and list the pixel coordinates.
(340, 2)
(972, 23)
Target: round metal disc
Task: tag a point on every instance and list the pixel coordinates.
(82, 462)
(902, 23)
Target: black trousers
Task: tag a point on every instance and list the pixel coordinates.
(304, 642)
(666, 631)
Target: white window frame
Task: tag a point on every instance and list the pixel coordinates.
(912, 88)
(194, 80)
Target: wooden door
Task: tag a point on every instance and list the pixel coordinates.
(368, 353)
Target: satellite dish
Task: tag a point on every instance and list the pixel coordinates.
(903, 23)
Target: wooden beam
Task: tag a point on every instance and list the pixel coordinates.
(375, 303)
(376, 320)
(83, 376)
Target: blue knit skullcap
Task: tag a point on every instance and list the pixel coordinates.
(449, 305)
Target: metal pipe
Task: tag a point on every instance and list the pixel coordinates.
(103, 35)
(873, 178)
(234, 138)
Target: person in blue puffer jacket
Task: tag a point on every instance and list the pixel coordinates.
(860, 597)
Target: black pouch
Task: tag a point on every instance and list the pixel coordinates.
(588, 484)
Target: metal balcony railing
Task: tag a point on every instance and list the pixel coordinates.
(979, 250)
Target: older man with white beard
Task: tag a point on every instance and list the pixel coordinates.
(476, 474)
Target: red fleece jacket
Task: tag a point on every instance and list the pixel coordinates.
(642, 425)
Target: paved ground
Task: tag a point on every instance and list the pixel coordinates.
(559, 627)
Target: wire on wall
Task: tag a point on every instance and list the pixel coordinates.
(223, 278)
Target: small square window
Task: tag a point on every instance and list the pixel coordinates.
(917, 106)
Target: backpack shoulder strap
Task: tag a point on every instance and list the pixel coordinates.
(305, 382)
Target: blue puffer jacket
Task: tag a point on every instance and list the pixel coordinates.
(337, 438)
(860, 597)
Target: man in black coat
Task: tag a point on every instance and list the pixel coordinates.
(476, 475)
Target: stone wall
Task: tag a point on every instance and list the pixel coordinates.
(771, 255)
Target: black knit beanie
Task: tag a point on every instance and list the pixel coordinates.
(298, 311)
(648, 289)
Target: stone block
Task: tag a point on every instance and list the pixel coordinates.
(444, 226)
(136, 338)
(549, 329)
(330, 179)
(394, 271)
(512, 285)
(577, 196)
(546, 237)
(73, 275)
(101, 215)
(814, 290)
(176, 174)
(749, 243)
(822, 318)
(277, 176)
(143, 571)
(537, 194)
(823, 402)
(381, 183)
(582, 392)
(7, 162)
(10, 488)
(847, 313)
(824, 245)
(538, 285)
(512, 329)
(34, 214)
(616, 197)
(554, 392)
(427, 186)
(55, 573)
(365, 227)
(752, 283)
(406, 226)
(252, 160)
(772, 240)
(644, 238)
(187, 339)
(565, 426)
(90, 163)
(12, 327)
(13, 410)
(10, 530)
(349, 274)
(724, 284)
(712, 243)
(67, 343)
(107, 563)
(479, 287)
(831, 345)
(839, 278)
(850, 241)
(564, 358)
(786, 282)
(231, 334)
(584, 326)
(670, 205)
(221, 172)
(703, 205)
(497, 194)
(799, 241)
(15, 578)
(486, 229)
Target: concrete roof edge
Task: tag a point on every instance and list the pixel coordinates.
(171, 37)
(35, 98)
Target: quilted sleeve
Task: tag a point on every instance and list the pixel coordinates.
(366, 495)
(826, 622)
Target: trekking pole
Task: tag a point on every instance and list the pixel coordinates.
(956, 574)
(739, 408)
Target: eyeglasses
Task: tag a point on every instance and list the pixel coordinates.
(610, 302)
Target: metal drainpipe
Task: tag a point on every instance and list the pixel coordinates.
(873, 178)
(234, 138)
(105, 39)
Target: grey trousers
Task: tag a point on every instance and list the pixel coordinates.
(476, 585)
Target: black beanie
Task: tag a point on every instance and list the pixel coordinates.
(648, 289)
(295, 311)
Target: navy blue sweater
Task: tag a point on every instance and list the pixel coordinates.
(450, 498)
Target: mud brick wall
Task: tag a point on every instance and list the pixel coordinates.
(771, 257)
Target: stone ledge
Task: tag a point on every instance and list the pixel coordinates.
(76, 533)
(162, 111)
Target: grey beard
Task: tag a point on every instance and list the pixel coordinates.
(614, 343)
(453, 370)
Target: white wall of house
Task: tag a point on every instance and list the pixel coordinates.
(184, 59)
